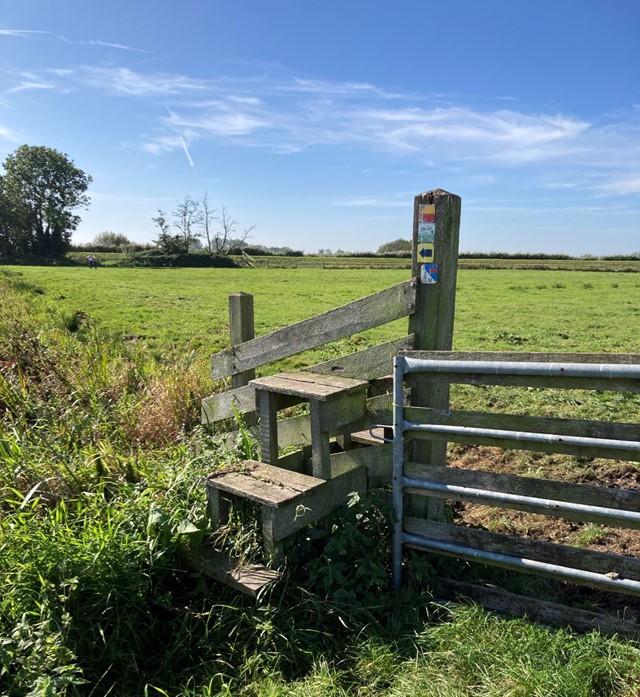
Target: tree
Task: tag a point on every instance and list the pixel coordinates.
(226, 228)
(186, 216)
(40, 189)
(166, 242)
(206, 220)
(397, 246)
(115, 240)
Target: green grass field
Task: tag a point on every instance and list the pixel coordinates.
(187, 309)
(101, 373)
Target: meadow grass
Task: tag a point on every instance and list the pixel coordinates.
(100, 497)
(181, 310)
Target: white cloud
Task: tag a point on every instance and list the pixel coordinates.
(31, 85)
(499, 136)
(222, 122)
(126, 82)
(283, 114)
(624, 186)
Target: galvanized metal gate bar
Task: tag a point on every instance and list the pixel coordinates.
(404, 365)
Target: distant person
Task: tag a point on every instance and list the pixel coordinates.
(92, 260)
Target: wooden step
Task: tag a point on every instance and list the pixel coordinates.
(309, 385)
(374, 437)
(265, 484)
(227, 569)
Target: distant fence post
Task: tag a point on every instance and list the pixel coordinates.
(436, 235)
(241, 329)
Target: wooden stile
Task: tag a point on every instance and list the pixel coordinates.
(372, 311)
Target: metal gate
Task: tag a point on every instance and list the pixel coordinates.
(621, 441)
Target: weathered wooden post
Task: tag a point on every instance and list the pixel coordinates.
(241, 329)
(436, 234)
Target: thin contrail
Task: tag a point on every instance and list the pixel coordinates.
(21, 32)
(186, 152)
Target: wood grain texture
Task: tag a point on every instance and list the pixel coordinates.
(241, 329)
(432, 322)
(368, 364)
(544, 611)
(593, 495)
(248, 578)
(358, 316)
(596, 430)
(307, 385)
(266, 484)
(548, 552)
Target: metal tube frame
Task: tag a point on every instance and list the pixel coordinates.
(525, 436)
(404, 365)
(524, 368)
(508, 561)
(398, 466)
(611, 514)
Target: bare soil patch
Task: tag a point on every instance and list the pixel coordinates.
(604, 473)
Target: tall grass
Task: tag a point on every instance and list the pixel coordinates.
(100, 501)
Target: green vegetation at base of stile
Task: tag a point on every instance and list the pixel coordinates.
(101, 499)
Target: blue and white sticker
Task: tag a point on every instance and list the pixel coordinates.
(429, 273)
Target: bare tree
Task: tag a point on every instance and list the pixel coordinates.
(186, 217)
(226, 230)
(207, 220)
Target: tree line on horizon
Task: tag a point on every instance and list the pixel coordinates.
(41, 189)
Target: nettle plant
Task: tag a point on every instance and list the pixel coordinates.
(353, 564)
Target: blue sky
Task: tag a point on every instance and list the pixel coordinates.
(319, 122)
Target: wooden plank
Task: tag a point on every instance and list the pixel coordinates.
(548, 552)
(294, 462)
(344, 410)
(544, 611)
(536, 381)
(247, 578)
(266, 484)
(241, 329)
(374, 437)
(604, 583)
(267, 408)
(624, 499)
(621, 499)
(531, 445)
(519, 422)
(529, 424)
(220, 406)
(377, 460)
(309, 385)
(368, 364)
(372, 311)
(320, 447)
(318, 503)
(380, 410)
(294, 431)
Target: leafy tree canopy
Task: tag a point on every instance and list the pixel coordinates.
(115, 240)
(39, 191)
(398, 245)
